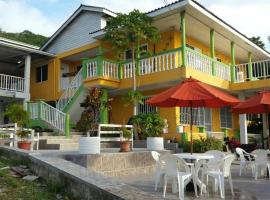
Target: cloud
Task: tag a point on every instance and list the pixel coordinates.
(18, 15)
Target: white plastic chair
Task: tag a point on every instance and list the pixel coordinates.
(159, 170)
(245, 161)
(261, 161)
(223, 172)
(176, 168)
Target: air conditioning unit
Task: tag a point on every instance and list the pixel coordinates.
(240, 77)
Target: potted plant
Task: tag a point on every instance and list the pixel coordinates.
(125, 142)
(150, 125)
(88, 123)
(16, 114)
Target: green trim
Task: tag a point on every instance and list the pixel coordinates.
(212, 49)
(232, 62)
(67, 126)
(38, 123)
(183, 37)
(250, 74)
(73, 99)
(39, 109)
(202, 129)
(120, 71)
(100, 61)
(104, 114)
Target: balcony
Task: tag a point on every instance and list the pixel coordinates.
(10, 86)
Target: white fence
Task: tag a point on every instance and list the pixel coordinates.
(128, 69)
(91, 69)
(113, 129)
(33, 110)
(11, 83)
(70, 91)
(223, 71)
(110, 69)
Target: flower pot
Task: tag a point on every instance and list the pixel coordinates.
(24, 145)
(89, 145)
(155, 143)
(125, 146)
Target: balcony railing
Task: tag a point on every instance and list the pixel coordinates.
(252, 71)
(11, 83)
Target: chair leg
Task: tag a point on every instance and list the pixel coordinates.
(180, 187)
(240, 173)
(165, 186)
(156, 181)
(231, 184)
(222, 187)
(181, 192)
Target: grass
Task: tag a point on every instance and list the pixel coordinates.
(13, 188)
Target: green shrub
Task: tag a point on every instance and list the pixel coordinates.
(202, 145)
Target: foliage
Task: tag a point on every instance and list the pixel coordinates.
(127, 134)
(93, 104)
(255, 126)
(129, 30)
(23, 134)
(26, 37)
(202, 145)
(133, 98)
(148, 124)
(257, 41)
(17, 114)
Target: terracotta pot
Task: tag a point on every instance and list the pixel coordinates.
(124, 146)
(24, 145)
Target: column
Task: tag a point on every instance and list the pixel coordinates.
(232, 62)
(250, 74)
(183, 37)
(243, 124)
(27, 66)
(265, 130)
(212, 49)
(100, 61)
(104, 113)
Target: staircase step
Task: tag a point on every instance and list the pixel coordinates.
(69, 147)
(61, 141)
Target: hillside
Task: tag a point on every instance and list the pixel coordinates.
(26, 37)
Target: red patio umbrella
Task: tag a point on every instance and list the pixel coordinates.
(259, 103)
(193, 93)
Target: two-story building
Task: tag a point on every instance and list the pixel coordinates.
(194, 42)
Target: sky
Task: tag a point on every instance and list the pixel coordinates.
(46, 16)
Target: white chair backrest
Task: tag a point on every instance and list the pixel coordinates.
(156, 157)
(218, 156)
(241, 153)
(174, 164)
(261, 156)
(227, 164)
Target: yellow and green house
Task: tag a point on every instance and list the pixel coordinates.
(194, 42)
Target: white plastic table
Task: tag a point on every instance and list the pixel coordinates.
(195, 157)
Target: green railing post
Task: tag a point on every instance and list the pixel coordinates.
(120, 71)
(104, 115)
(39, 109)
(212, 48)
(67, 126)
(250, 73)
(232, 63)
(84, 67)
(183, 37)
(100, 61)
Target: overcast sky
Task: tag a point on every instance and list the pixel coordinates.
(45, 16)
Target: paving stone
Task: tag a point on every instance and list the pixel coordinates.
(30, 178)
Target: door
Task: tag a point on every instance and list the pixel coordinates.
(64, 82)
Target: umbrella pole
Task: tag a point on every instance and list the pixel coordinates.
(191, 131)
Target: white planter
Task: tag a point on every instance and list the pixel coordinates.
(89, 145)
(155, 143)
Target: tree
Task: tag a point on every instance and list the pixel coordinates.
(129, 31)
(257, 41)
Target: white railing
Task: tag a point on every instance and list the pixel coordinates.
(91, 69)
(199, 62)
(52, 116)
(115, 131)
(223, 71)
(128, 69)
(70, 91)
(33, 110)
(260, 70)
(162, 62)
(11, 83)
(110, 69)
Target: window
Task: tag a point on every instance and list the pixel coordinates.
(225, 117)
(145, 108)
(129, 53)
(42, 73)
(198, 116)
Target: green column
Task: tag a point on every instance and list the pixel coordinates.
(232, 62)
(39, 109)
(67, 126)
(104, 114)
(120, 71)
(250, 74)
(183, 37)
(84, 67)
(212, 49)
(100, 61)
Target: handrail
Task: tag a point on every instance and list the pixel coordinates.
(11, 83)
(70, 91)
